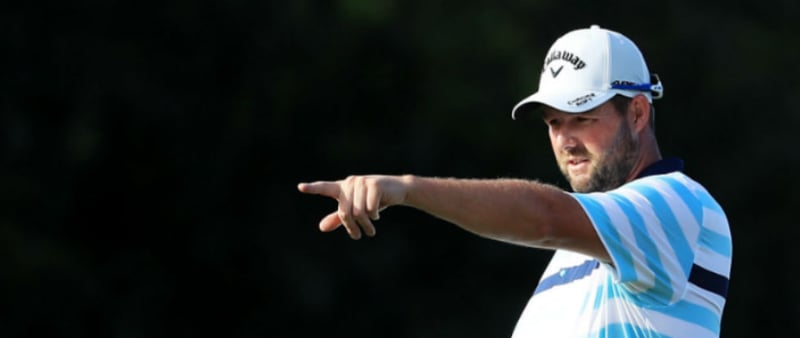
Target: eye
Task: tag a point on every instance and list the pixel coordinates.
(551, 122)
(581, 119)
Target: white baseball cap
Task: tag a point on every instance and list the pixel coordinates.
(587, 67)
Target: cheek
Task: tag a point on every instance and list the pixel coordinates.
(553, 143)
(593, 148)
(599, 146)
(555, 148)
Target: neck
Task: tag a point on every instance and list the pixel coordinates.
(648, 154)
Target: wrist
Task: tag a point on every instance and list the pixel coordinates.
(409, 184)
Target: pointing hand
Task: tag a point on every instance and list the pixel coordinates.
(361, 198)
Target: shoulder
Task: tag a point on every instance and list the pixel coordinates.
(675, 186)
(664, 198)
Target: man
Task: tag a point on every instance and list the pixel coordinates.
(642, 250)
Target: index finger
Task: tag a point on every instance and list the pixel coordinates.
(330, 189)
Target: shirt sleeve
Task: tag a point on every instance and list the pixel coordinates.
(650, 231)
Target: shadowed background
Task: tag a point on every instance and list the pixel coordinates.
(151, 151)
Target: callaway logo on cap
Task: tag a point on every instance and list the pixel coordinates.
(587, 67)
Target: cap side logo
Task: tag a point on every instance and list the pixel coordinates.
(581, 100)
(556, 72)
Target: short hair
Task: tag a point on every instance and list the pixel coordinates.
(621, 103)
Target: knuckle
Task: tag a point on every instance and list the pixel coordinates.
(371, 181)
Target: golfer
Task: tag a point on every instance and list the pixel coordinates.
(640, 248)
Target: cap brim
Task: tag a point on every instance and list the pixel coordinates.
(572, 102)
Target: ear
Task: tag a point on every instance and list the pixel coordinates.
(639, 113)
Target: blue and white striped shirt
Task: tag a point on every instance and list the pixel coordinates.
(670, 244)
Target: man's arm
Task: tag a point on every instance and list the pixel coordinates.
(510, 210)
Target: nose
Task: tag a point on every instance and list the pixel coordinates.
(563, 140)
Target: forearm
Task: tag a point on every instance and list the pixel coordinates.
(510, 210)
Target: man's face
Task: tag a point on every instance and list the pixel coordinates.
(595, 150)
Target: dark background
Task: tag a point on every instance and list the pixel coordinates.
(151, 151)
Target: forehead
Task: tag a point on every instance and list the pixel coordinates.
(605, 108)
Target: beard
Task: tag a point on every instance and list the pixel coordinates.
(608, 170)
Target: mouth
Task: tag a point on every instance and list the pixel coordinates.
(577, 163)
(578, 167)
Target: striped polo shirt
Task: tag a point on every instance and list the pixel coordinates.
(671, 250)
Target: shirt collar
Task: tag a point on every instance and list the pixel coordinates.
(664, 166)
